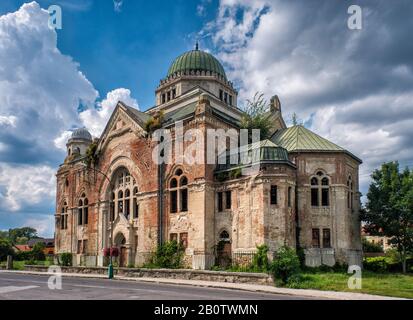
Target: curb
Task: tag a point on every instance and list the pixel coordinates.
(304, 293)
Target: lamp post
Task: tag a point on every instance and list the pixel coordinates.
(110, 267)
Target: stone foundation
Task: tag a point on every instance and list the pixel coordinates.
(219, 276)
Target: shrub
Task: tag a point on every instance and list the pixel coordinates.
(260, 259)
(371, 247)
(285, 264)
(168, 255)
(37, 252)
(22, 256)
(376, 264)
(66, 259)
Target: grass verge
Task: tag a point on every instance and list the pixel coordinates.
(389, 284)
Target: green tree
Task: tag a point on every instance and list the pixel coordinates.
(389, 208)
(255, 116)
(5, 249)
(37, 252)
(26, 232)
(4, 234)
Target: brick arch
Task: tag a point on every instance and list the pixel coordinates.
(115, 165)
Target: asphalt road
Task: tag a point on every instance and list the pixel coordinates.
(35, 287)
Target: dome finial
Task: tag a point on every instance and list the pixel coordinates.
(197, 45)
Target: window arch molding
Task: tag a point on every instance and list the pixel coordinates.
(178, 191)
(320, 189)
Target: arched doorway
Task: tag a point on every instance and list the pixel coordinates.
(120, 242)
(224, 254)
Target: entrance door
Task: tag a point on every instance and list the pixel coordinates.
(123, 257)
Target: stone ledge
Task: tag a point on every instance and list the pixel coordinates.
(182, 274)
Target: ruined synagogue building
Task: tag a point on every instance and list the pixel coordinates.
(111, 193)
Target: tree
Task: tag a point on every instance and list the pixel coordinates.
(255, 116)
(4, 234)
(389, 208)
(5, 249)
(26, 232)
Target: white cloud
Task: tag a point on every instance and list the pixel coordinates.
(44, 225)
(8, 121)
(26, 185)
(96, 119)
(60, 141)
(351, 87)
(40, 88)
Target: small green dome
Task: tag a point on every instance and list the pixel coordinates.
(196, 60)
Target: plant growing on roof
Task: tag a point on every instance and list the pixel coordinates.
(255, 116)
(154, 123)
(92, 155)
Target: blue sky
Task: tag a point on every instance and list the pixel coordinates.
(354, 87)
(131, 48)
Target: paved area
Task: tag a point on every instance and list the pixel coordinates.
(18, 286)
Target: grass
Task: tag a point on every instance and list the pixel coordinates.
(389, 284)
(19, 265)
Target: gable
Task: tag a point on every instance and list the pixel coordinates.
(123, 119)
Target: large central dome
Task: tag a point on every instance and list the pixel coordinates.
(196, 60)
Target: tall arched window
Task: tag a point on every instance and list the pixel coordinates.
(127, 204)
(178, 194)
(120, 202)
(135, 203)
(112, 207)
(121, 196)
(320, 190)
(63, 217)
(184, 194)
(350, 193)
(83, 211)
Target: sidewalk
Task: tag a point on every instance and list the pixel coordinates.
(234, 286)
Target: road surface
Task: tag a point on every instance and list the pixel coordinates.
(15, 286)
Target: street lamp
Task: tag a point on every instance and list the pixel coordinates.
(110, 267)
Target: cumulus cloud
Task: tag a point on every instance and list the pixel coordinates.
(353, 87)
(40, 88)
(25, 185)
(95, 119)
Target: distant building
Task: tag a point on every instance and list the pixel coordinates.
(21, 248)
(48, 243)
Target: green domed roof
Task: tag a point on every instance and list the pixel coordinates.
(196, 60)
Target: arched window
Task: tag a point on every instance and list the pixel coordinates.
(184, 194)
(120, 202)
(320, 190)
(135, 203)
(224, 236)
(121, 196)
(63, 217)
(127, 204)
(178, 194)
(350, 193)
(83, 211)
(112, 207)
